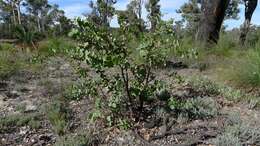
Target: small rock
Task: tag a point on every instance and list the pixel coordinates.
(149, 124)
(162, 130)
(65, 66)
(24, 130)
(30, 108)
(181, 94)
(12, 94)
(51, 68)
(121, 141)
(33, 141)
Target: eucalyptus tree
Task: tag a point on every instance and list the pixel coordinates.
(102, 11)
(193, 13)
(10, 7)
(136, 7)
(9, 17)
(17, 6)
(154, 13)
(214, 12)
(134, 10)
(36, 8)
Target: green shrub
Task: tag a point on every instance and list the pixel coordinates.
(6, 46)
(25, 36)
(253, 36)
(232, 94)
(132, 82)
(238, 135)
(13, 61)
(80, 139)
(18, 120)
(247, 71)
(10, 62)
(76, 92)
(227, 139)
(54, 46)
(197, 108)
(204, 85)
(225, 46)
(58, 115)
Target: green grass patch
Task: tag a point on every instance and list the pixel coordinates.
(58, 115)
(13, 59)
(247, 69)
(80, 139)
(17, 120)
(6, 46)
(238, 133)
(54, 46)
(202, 84)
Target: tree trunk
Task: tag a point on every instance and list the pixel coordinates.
(105, 17)
(250, 6)
(39, 23)
(13, 11)
(18, 12)
(139, 13)
(42, 22)
(140, 9)
(213, 13)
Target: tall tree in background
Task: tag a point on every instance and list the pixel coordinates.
(10, 16)
(102, 11)
(191, 13)
(13, 8)
(213, 14)
(46, 15)
(250, 6)
(134, 11)
(17, 4)
(136, 7)
(153, 7)
(40, 16)
(36, 8)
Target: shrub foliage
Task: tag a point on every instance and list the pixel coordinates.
(123, 82)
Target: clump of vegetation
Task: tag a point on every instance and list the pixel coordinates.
(225, 47)
(204, 85)
(11, 61)
(6, 46)
(54, 46)
(232, 94)
(238, 134)
(76, 91)
(133, 82)
(248, 72)
(6, 65)
(17, 120)
(80, 139)
(195, 108)
(25, 36)
(59, 115)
